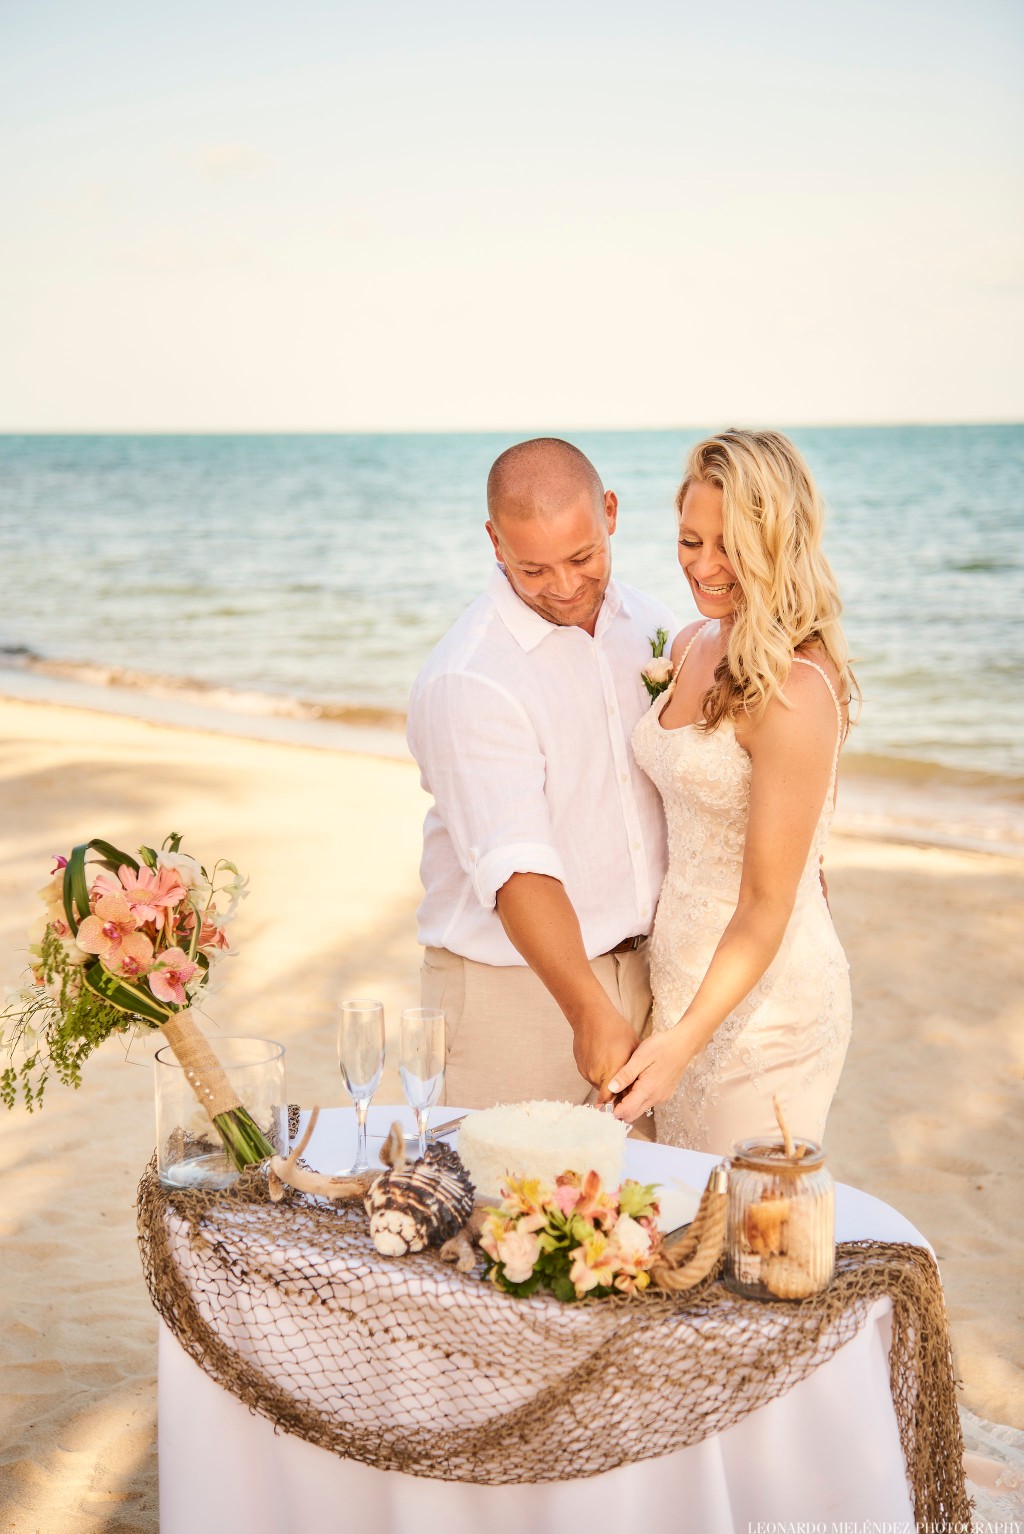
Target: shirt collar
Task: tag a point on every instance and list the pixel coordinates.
(529, 628)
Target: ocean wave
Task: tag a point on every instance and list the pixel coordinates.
(920, 772)
(978, 566)
(215, 697)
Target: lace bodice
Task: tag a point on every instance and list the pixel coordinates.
(703, 777)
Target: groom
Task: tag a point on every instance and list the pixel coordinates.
(544, 849)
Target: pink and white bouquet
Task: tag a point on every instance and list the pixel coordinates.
(127, 942)
(577, 1238)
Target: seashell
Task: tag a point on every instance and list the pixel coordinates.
(418, 1206)
(764, 1225)
(802, 1238)
(788, 1280)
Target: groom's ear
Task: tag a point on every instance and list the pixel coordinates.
(611, 509)
(492, 535)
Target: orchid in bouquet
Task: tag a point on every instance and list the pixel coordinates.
(658, 674)
(577, 1238)
(127, 943)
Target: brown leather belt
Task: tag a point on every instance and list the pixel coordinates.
(629, 944)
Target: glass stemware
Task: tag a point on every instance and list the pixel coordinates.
(361, 1057)
(421, 1063)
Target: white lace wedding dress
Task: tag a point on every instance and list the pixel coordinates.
(789, 1035)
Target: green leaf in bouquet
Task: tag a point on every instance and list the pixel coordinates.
(193, 943)
(121, 993)
(76, 887)
(76, 891)
(525, 1289)
(112, 857)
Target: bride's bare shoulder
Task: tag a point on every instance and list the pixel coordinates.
(684, 639)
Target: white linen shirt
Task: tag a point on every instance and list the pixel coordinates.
(521, 729)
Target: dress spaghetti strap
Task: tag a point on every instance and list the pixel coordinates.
(692, 641)
(801, 660)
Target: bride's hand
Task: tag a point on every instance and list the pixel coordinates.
(652, 1072)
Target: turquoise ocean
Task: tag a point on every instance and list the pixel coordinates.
(310, 575)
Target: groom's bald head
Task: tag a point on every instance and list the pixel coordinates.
(540, 478)
(550, 522)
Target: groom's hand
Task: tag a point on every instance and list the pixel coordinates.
(602, 1044)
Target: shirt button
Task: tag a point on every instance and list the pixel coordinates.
(636, 846)
(623, 777)
(611, 709)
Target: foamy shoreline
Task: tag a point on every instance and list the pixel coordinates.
(882, 798)
(927, 1115)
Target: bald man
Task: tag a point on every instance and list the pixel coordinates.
(544, 850)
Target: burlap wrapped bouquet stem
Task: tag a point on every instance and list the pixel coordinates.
(406, 1364)
(203, 1071)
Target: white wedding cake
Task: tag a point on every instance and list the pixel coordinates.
(540, 1140)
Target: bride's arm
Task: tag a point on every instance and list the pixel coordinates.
(791, 751)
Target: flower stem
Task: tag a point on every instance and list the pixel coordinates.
(244, 1140)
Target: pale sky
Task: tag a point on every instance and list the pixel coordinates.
(406, 215)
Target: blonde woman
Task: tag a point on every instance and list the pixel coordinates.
(751, 986)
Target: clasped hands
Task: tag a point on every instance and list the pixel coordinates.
(638, 1075)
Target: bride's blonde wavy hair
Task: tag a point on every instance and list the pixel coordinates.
(772, 519)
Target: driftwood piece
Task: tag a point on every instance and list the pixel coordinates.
(792, 1153)
(459, 1248)
(284, 1171)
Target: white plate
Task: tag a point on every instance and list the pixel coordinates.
(678, 1202)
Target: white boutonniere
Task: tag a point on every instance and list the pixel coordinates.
(658, 674)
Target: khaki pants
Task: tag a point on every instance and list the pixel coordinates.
(508, 1040)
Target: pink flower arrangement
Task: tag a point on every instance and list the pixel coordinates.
(155, 924)
(126, 942)
(577, 1238)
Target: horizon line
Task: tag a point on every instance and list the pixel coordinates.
(484, 431)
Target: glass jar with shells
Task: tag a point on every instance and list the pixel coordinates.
(781, 1226)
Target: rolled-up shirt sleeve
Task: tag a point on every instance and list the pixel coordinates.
(482, 762)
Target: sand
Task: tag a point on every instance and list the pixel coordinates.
(928, 1115)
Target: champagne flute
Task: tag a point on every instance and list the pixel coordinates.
(361, 1056)
(421, 1063)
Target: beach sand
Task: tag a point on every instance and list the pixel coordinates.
(928, 1115)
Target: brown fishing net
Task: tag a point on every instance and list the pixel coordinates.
(406, 1364)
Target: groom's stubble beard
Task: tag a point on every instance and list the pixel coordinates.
(582, 613)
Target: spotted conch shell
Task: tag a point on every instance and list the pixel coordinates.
(412, 1207)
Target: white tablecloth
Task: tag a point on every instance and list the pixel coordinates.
(826, 1453)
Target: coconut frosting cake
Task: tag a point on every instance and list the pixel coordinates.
(540, 1139)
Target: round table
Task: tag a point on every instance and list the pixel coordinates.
(826, 1453)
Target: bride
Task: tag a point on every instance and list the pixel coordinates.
(751, 986)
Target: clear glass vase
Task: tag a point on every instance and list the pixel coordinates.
(781, 1241)
(189, 1149)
